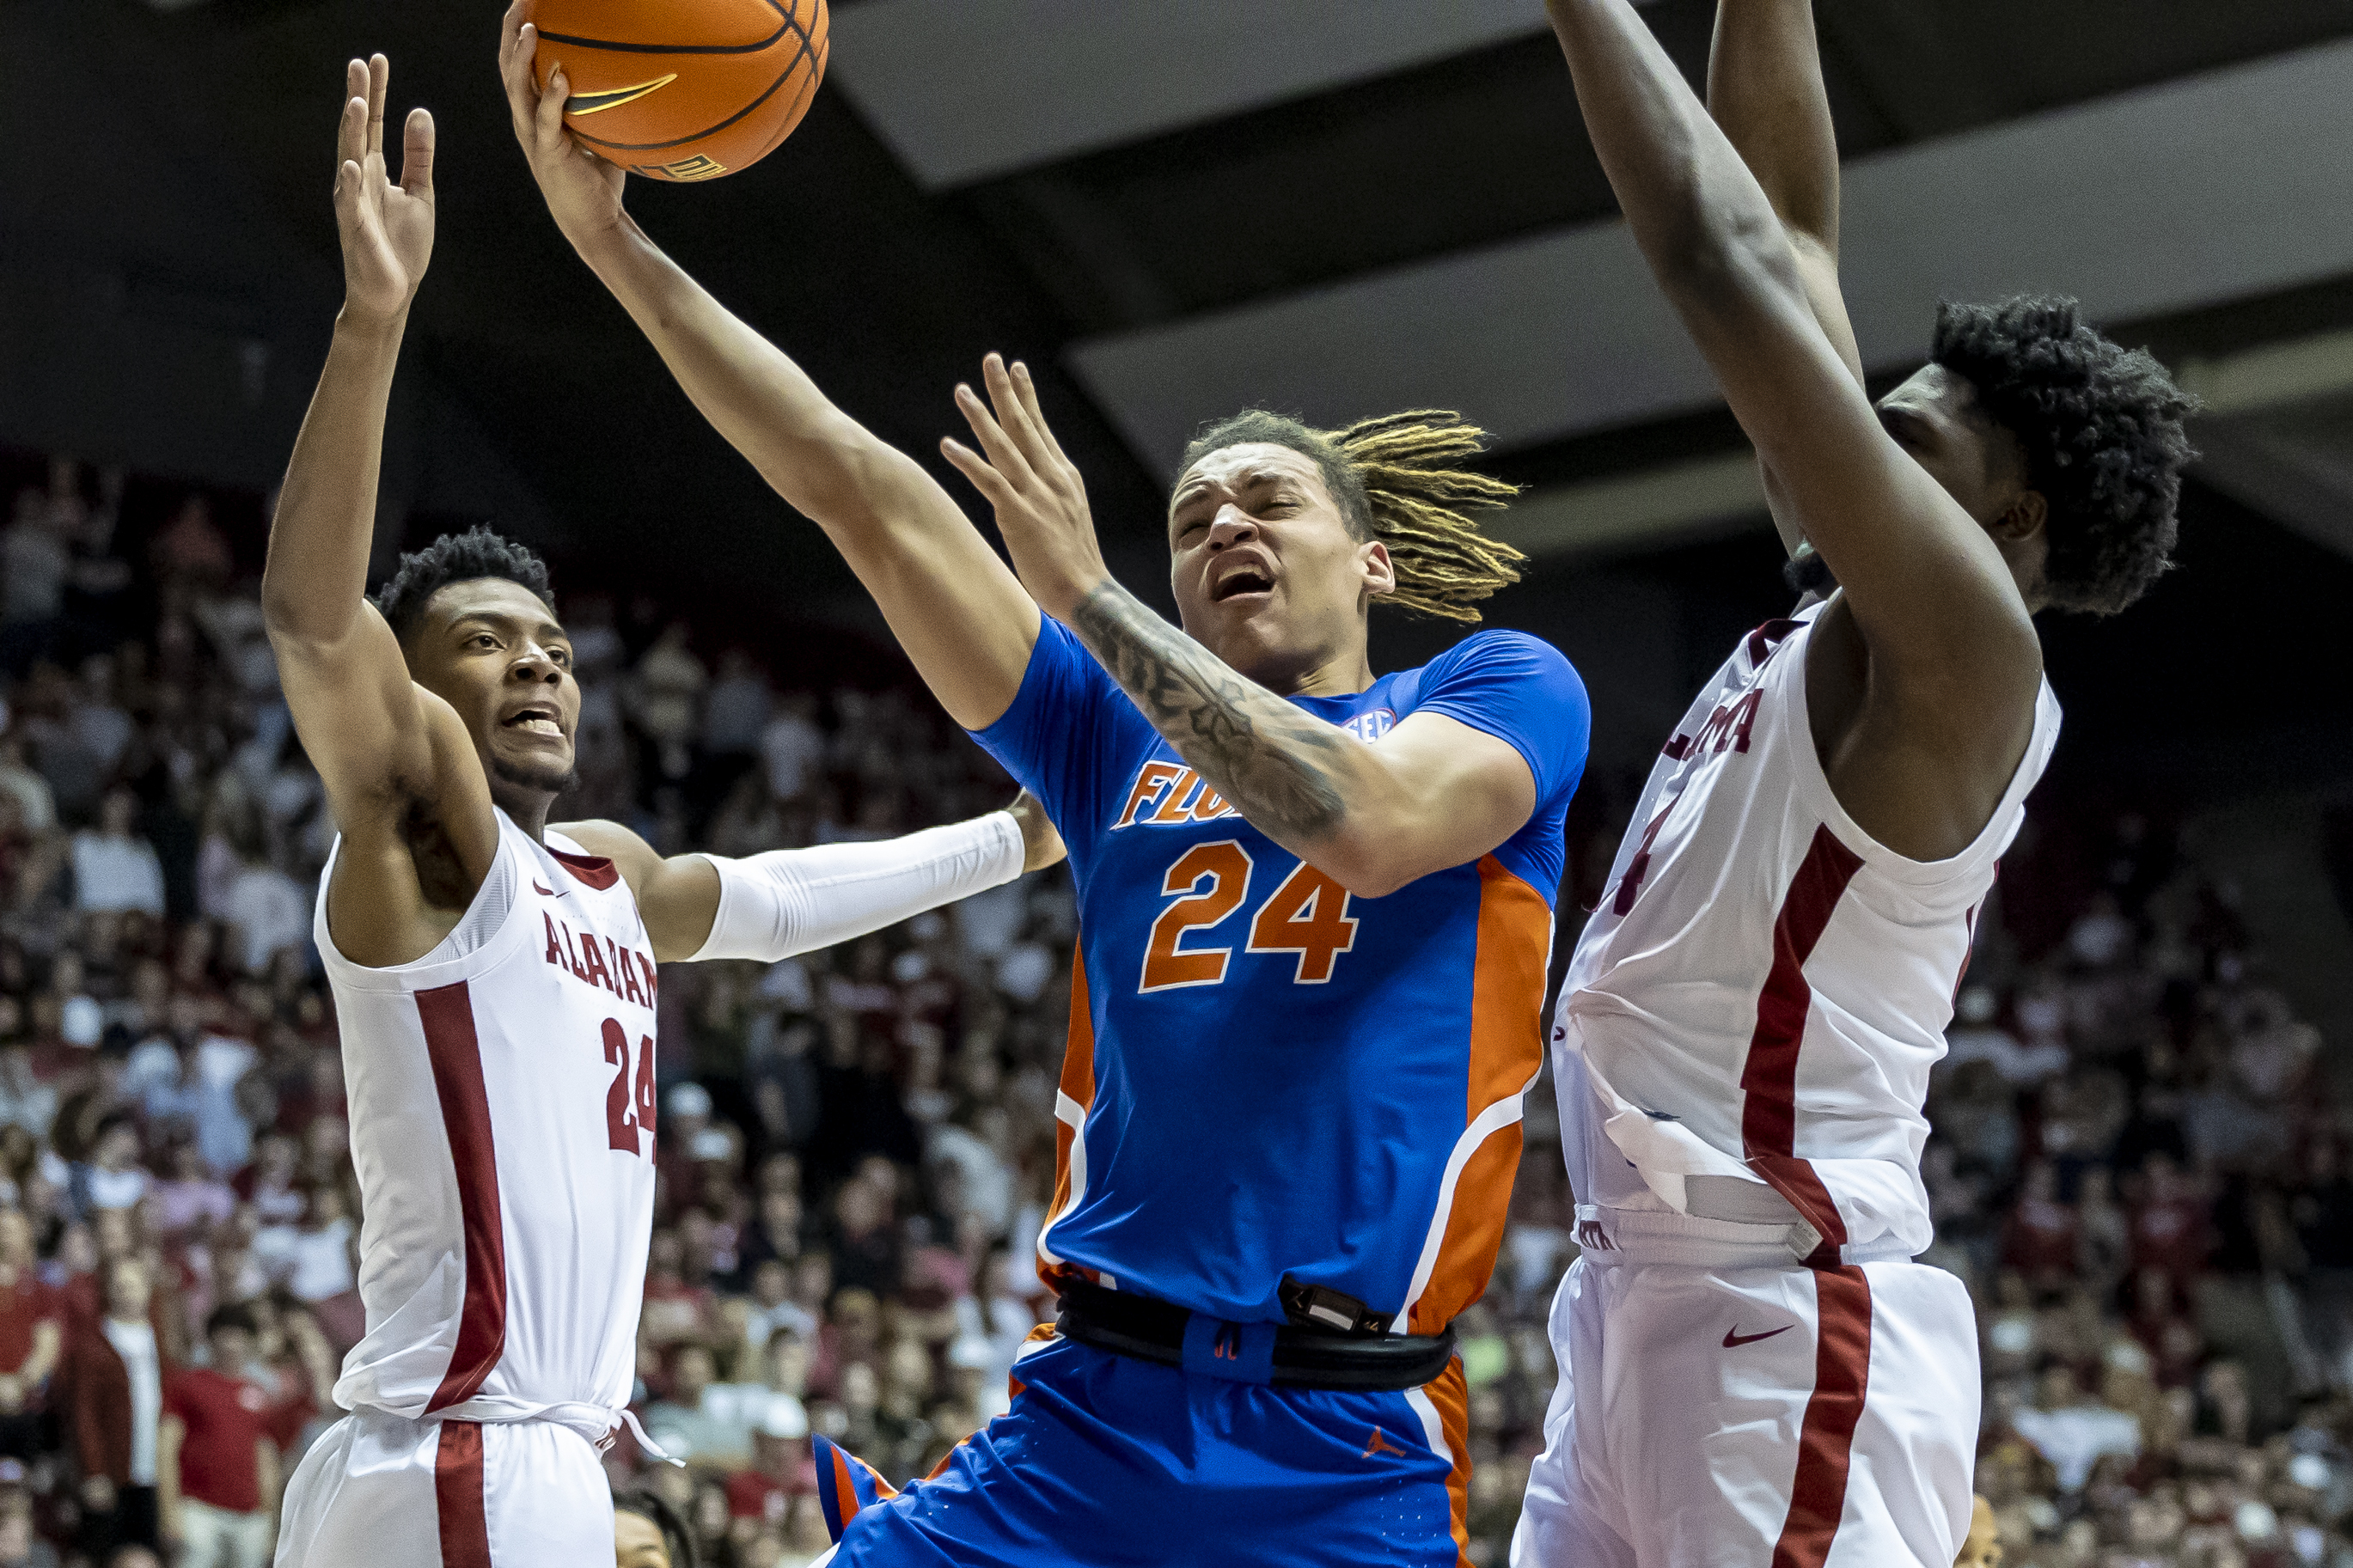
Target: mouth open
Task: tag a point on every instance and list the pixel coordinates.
(533, 721)
(1241, 582)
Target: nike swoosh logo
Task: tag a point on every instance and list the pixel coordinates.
(581, 103)
(1734, 1338)
(546, 892)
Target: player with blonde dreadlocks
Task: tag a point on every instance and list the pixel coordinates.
(1317, 906)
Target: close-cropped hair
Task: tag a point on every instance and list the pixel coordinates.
(457, 558)
(1399, 479)
(2101, 428)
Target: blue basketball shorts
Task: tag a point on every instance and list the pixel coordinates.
(1106, 1460)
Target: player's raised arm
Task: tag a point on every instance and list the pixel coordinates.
(957, 610)
(379, 743)
(1764, 88)
(786, 901)
(1954, 663)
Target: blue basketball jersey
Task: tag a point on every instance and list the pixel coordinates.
(1267, 1075)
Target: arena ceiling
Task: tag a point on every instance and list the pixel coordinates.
(1334, 206)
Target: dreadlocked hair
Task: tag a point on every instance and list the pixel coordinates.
(1399, 478)
(2101, 430)
(457, 558)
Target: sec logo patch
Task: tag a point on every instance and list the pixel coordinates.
(1371, 726)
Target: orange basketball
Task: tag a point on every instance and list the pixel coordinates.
(684, 89)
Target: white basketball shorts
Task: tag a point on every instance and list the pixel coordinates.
(1754, 1416)
(384, 1491)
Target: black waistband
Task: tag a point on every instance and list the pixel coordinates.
(1151, 1329)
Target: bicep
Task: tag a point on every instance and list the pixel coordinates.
(1818, 271)
(1465, 791)
(678, 898)
(361, 719)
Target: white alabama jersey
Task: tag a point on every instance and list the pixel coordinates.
(502, 1096)
(1763, 987)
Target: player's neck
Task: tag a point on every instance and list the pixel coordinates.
(527, 809)
(1340, 672)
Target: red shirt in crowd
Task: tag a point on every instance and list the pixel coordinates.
(24, 1303)
(225, 1417)
(2171, 1234)
(756, 1494)
(2039, 1238)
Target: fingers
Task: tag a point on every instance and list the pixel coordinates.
(347, 194)
(379, 79)
(1027, 431)
(1025, 387)
(351, 130)
(516, 50)
(416, 154)
(1003, 455)
(973, 466)
(549, 112)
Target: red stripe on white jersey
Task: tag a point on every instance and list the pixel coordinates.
(1826, 1438)
(1768, 1082)
(458, 1495)
(448, 1014)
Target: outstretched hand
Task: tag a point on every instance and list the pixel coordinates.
(583, 191)
(1040, 500)
(386, 229)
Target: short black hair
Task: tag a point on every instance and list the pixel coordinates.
(2101, 427)
(457, 558)
(230, 1315)
(647, 1506)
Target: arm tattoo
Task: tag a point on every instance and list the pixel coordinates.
(1282, 768)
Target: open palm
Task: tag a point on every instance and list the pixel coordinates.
(386, 229)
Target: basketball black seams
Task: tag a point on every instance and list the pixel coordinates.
(769, 92)
(785, 22)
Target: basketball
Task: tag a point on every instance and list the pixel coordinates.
(684, 89)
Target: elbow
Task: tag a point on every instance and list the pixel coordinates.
(1364, 867)
(1711, 254)
(841, 476)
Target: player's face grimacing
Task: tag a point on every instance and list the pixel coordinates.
(1265, 570)
(1935, 418)
(492, 651)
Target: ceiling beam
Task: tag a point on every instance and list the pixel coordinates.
(1672, 504)
(2273, 436)
(2141, 204)
(964, 91)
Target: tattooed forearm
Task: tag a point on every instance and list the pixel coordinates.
(1280, 767)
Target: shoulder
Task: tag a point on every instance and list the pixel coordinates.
(1511, 675)
(1505, 653)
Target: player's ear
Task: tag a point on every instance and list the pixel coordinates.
(1380, 571)
(2024, 518)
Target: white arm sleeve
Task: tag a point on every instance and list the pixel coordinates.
(786, 901)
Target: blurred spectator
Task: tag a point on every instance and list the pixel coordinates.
(116, 1368)
(792, 747)
(113, 868)
(735, 714)
(31, 1340)
(217, 1464)
(2074, 1430)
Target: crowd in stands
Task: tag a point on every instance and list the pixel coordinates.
(2137, 1164)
